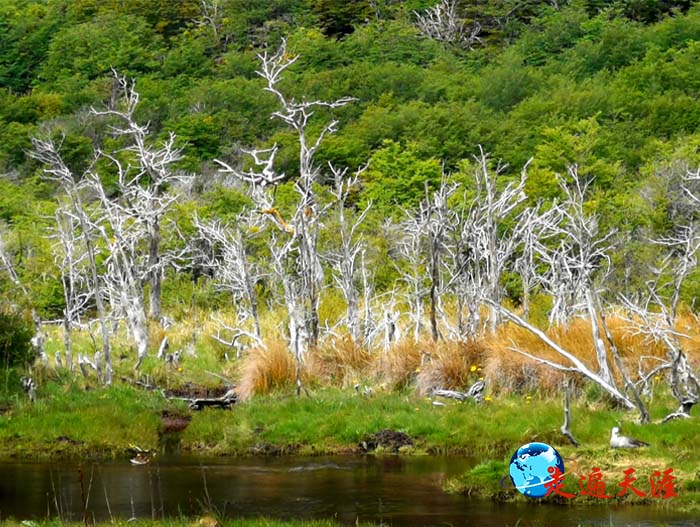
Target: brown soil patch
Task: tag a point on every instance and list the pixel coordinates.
(173, 422)
(391, 440)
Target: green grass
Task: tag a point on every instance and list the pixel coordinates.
(333, 419)
(203, 522)
(673, 445)
(95, 422)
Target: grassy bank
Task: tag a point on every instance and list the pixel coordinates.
(68, 421)
(206, 521)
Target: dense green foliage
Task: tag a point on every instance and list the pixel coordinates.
(610, 85)
(15, 339)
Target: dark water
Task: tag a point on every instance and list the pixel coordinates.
(393, 490)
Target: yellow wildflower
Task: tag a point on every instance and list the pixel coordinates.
(473, 368)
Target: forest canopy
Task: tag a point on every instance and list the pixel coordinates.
(610, 86)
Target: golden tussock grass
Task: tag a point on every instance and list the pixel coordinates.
(510, 371)
(339, 360)
(451, 365)
(397, 365)
(156, 333)
(443, 364)
(264, 369)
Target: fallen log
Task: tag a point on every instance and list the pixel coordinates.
(475, 392)
(225, 401)
(451, 394)
(683, 411)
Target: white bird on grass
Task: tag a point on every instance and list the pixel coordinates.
(620, 441)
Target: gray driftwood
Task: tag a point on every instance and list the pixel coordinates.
(475, 392)
(225, 401)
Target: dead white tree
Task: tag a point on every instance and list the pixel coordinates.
(442, 23)
(8, 266)
(480, 243)
(70, 255)
(143, 185)
(210, 16)
(347, 261)
(466, 272)
(557, 281)
(656, 316)
(283, 246)
(566, 427)
(285, 262)
(491, 208)
(29, 386)
(568, 363)
(223, 251)
(426, 247)
(369, 322)
(296, 257)
(529, 228)
(412, 265)
(581, 258)
(308, 214)
(440, 219)
(48, 152)
(581, 251)
(125, 264)
(577, 267)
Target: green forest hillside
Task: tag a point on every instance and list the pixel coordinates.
(534, 163)
(610, 86)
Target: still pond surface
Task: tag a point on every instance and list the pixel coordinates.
(397, 491)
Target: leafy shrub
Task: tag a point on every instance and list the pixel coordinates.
(15, 339)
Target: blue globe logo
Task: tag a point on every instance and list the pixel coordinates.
(532, 466)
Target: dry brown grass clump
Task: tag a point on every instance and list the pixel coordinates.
(512, 372)
(508, 371)
(456, 365)
(339, 360)
(452, 366)
(397, 366)
(155, 335)
(266, 369)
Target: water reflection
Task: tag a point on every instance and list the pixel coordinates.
(393, 490)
